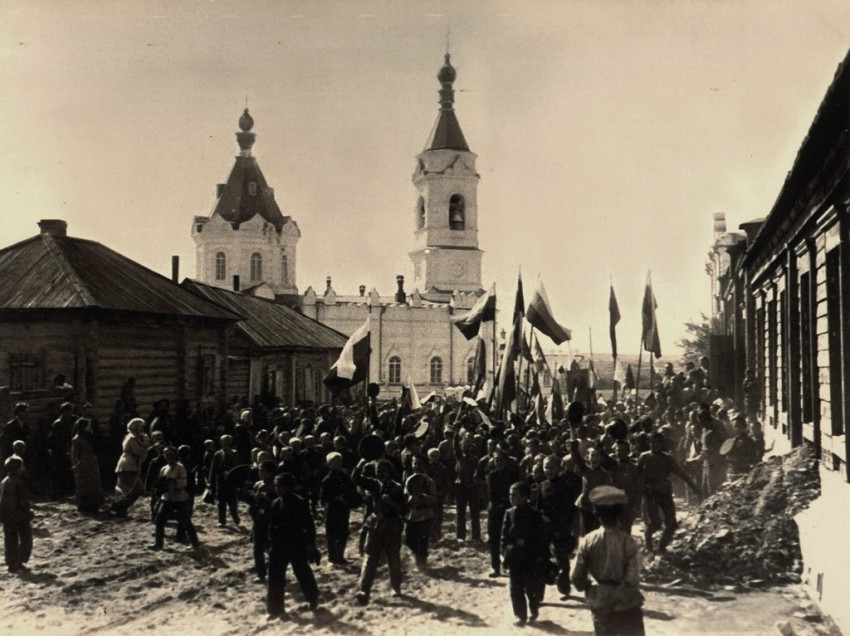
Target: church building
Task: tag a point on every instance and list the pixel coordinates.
(247, 241)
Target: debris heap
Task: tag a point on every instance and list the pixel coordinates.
(745, 534)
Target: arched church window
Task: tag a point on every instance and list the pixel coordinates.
(436, 370)
(470, 370)
(220, 266)
(420, 214)
(284, 269)
(394, 370)
(457, 213)
(252, 188)
(256, 266)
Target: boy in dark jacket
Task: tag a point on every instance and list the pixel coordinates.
(384, 526)
(262, 496)
(16, 515)
(292, 541)
(523, 543)
(339, 495)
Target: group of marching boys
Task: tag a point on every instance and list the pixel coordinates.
(554, 493)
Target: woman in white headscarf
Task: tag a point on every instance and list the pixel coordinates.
(134, 448)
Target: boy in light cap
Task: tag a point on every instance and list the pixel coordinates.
(339, 495)
(612, 559)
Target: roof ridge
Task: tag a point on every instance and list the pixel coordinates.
(55, 252)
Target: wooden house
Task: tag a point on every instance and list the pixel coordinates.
(274, 348)
(783, 298)
(75, 308)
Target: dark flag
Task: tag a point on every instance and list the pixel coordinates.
(614, 311)
(352, 366)
(630, 378)
(539, 314)
(649, 334)
(555, 405)
(537, 355)
(526, 350)
(480, 365)
(507, 373)
(484, 310)
(519, 303)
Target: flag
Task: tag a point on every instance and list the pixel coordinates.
(539, 405)
(537, 354)
(630, 378)
(507, 373)
(619, 373)
(614, 312)
(591, 375)
(486, 420)
(555, 405)
(539, 314)
(484, 310)
(486, 390)
(480, 364)
(519, 303)
(526, 350)
(649, 334)
(412, 395)
(352, 366)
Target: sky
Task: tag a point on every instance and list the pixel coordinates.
(607, 133)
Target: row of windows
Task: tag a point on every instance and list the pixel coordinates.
(457, 213)
(435, 367)
(256, 267)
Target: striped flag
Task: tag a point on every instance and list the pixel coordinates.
(352, 366)
(484, 310)
(539, 314)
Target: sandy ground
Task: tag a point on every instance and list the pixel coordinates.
(94, 575)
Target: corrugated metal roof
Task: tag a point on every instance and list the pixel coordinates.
(62, 272)
(269, 324)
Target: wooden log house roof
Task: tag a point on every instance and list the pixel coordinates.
(269, 324)
(53, 271)
(819, 167)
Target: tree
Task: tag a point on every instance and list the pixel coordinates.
(695, 342)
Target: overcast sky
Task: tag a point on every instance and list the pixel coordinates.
(607, 133)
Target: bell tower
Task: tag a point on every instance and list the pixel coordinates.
(446, 257)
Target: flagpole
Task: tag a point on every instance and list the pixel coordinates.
(637, 380)
(495, 361)
(651, 372)
(614, 393)
(591, 371)
(519, 362)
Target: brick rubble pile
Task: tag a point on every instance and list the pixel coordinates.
(745, 534)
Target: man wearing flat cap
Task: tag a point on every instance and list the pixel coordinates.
(607, 569)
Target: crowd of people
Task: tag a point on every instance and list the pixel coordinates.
(555, 493)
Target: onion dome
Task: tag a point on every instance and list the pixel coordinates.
(246, 138)
(446, 132)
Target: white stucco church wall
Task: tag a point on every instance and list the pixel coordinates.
(412, 335)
